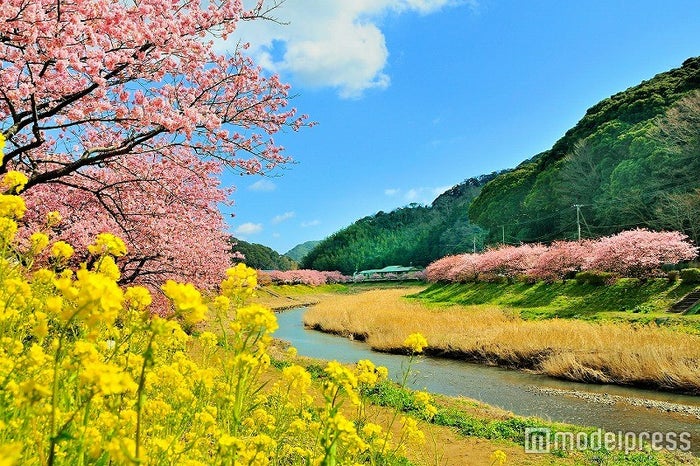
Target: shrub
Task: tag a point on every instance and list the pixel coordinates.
(672, 276)
(594, 277)
(690, 275)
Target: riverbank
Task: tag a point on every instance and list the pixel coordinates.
(465, 431)
(627, 300)
(621, 353)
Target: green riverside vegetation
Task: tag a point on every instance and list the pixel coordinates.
(627, 299)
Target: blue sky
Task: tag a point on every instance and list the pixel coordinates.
(415, 96)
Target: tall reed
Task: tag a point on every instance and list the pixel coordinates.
(620, 353)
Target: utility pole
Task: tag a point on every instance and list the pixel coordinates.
(474, 244)
(503, 230)
(578, 219)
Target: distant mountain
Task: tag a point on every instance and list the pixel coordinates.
(411, 235)
(298, 252)
(632, 161)
(262, 257)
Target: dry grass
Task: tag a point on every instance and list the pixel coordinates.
(571, 349)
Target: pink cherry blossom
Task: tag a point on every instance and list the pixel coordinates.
(123, 115)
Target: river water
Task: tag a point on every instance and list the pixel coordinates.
(515, 391)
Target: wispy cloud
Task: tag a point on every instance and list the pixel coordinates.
(391, 191)
(311, 223)
(249, 228)
(282, 217)
(335, 44)
(263, 185)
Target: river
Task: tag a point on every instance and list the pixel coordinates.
(522, 393)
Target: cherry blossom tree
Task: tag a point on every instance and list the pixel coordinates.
(636, 253)
(164, 208)
(560, 260)
(640, 253)
(306, 277)
(440, 270)
(121, 113)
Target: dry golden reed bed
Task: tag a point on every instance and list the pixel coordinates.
(571, 349)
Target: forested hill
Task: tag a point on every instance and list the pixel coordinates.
(412, 235)
(298, 252)
(261, 257)
(632, 161)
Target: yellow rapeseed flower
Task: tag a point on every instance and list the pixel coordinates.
(10, 453)
(498, 457)
(53, 304)
(8, 229)
(187, 301)
(53, 218)
(368, 373)
(108, 267)
(208, 339)
(257, 318)
(415, 342)
(99, 295)
(240, 281)
(107, 243)
(39, 241)
(138, 297)
(14, 181)
(411, 431)
(297, 377)
(12, 206)
(62, 250)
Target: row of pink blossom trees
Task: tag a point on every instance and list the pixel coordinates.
(302, 277)
(636, 253)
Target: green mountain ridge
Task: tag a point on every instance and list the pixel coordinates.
(261, 257)
(631, 161)
(412, 235)
(298, 252)
(624, 163)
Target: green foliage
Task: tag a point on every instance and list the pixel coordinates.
(298, 252)
(627, 299)
(262, 257)
(690, 276)
(630, 161)
(595, 278)
(412, 235)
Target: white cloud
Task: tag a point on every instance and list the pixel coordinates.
(312, 223)
(248, 229)
(391, 191)
(331, 43)
(282, 217)
(263, 185)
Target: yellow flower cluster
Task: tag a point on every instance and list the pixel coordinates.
(240, 282)
(14, 181)
(498, 457)
(90, 376)
(12, 206)
(107, 243)
(415, 342)
(187, 301)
